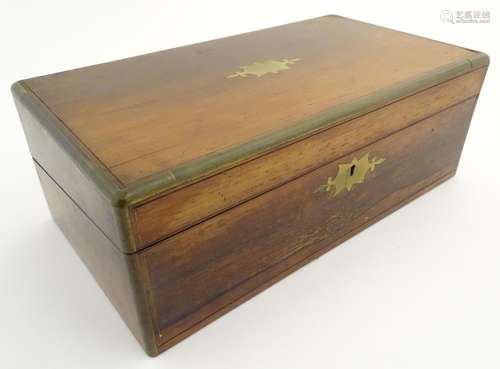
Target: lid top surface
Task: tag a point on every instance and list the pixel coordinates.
(145, 115)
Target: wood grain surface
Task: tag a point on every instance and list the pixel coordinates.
(180, 209)
(144, 115)
(198, 272)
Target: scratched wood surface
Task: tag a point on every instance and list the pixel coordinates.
(144, 115)
(198, 272)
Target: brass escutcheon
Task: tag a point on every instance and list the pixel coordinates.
(350, 174)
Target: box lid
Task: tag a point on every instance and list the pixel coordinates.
(151, 123)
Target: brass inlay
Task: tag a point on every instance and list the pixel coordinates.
(260, 69)
(350, 174)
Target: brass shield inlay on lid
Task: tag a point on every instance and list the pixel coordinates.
(262, 68)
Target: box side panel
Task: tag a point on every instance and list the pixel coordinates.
(116, 273)
(51, 146)
(176, 211)
(200, 273)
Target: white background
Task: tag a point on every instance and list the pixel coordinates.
(420, 289)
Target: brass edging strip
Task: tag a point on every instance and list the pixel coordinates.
(82, 157)
(86, 160)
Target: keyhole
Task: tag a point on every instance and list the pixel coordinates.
(353, 168)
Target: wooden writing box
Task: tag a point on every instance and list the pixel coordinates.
(190, 179)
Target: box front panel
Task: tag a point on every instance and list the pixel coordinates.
(202, 272)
